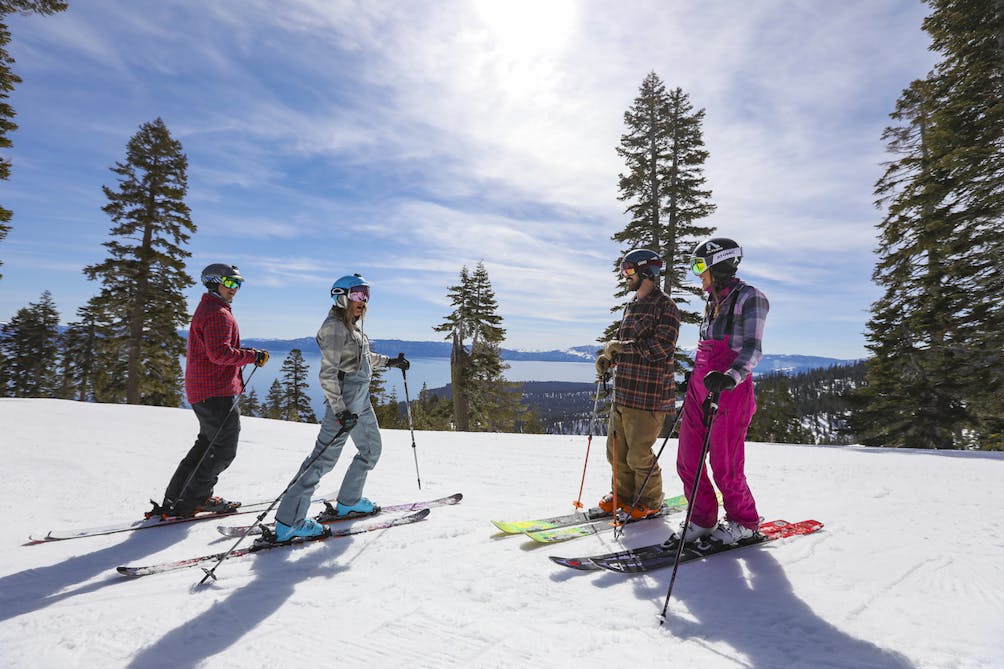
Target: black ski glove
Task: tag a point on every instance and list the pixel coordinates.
(347, 419)
(400, 361)
(717, 382)
(260, 357)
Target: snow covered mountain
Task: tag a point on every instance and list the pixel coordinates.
(904, 575)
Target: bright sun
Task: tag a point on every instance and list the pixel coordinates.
(524, 29)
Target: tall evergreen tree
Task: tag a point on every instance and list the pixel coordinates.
(936, 378)
(29, 351)
(8, 79)
(664, 186)
(482, 399)
(296, 403)
(144, 278)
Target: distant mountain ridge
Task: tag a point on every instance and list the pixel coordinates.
(771, 362)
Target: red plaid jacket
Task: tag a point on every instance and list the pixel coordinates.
(214, 357)
(644, 373)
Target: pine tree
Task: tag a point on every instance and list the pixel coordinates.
(430, 412)
(81, 345)
(29, 349)
(8, 79)
(482, 399)
(144, 278)
(936, 378)
(663, 149)
(250, 405)
(385, 407)
(776, 419)
(275, 402)
(296, 403)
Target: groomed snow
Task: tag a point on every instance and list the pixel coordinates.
(906, 573)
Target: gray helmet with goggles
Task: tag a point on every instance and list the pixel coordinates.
(719, 254)
(221, 274)
(351, 287)
(645, 263)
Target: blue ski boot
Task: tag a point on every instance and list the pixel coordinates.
(307, 528)
(363, 507)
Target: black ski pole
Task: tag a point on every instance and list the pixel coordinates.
(619, 530)
(710, 411)
(411, 425)
(211, 573)
(212, 442)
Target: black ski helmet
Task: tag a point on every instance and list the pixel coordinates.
(720, 254)
(647, 263)
(213, 275)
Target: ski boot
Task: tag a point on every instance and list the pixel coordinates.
(217, 505)
(308, 528)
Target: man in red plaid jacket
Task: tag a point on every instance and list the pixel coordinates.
(213, 383)
(644, 386)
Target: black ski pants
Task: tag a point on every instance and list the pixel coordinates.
(219, 418)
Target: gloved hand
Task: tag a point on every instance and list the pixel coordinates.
(602, 364)
(347, 419)
(613, 347)
(260, 357)
(717, 382)
(400, 361)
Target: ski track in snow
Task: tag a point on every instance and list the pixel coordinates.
(904, 575)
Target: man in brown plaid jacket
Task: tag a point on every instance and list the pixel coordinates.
(644, 386)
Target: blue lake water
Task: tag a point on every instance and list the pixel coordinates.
(432, 372)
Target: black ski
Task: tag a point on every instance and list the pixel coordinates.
(656, 556)
(261, 545)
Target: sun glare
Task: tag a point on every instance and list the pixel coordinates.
(527, 28)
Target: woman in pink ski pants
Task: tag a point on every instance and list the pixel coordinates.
(729, 349)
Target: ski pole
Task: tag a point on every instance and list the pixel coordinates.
(620, 530)
(211, 573)
(588, 442)
(711, 410)
(411, 425)
(212, 442)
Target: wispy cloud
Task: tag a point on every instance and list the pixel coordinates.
(409, 139)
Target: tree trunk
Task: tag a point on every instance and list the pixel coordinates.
(458, 368)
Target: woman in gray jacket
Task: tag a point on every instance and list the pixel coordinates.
(346, 370)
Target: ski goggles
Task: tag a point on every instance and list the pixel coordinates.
(699, 266)
(628, 270)
(359, 294)
(230, 282)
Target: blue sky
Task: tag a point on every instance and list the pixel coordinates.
(404, 140)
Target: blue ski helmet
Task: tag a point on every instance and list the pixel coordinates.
(341, 288)
(646, 263)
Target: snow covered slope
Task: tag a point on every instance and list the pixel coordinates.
(904, 575)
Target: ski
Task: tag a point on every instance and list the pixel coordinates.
(147, 523)
(647, 558)
(557, 534)
(239, 530)
(569, 519)
(260, 545)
